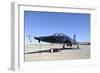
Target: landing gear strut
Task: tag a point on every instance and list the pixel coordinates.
(64, 45)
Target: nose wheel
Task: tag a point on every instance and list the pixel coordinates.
(51, 50)
(54, 50)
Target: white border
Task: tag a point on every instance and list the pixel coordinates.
(18, 34)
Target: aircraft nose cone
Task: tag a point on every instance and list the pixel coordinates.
(36, 38)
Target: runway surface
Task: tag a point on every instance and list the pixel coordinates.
(43, 52)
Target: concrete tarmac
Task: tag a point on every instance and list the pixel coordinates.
(41, 52)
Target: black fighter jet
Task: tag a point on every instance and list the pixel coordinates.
(59, 38)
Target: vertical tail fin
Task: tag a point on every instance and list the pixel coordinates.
(74, 39)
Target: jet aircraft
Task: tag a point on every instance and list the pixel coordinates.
(59, 38)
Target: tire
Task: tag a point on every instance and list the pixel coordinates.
(67, 44)
(70, 45)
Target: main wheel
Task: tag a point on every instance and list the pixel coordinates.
(70, 45)
(67, 44)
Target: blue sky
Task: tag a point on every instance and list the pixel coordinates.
(48, 23)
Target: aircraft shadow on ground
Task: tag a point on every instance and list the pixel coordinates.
(49, 51)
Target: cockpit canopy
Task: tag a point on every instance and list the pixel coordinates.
(59, 34)
(62, 35)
